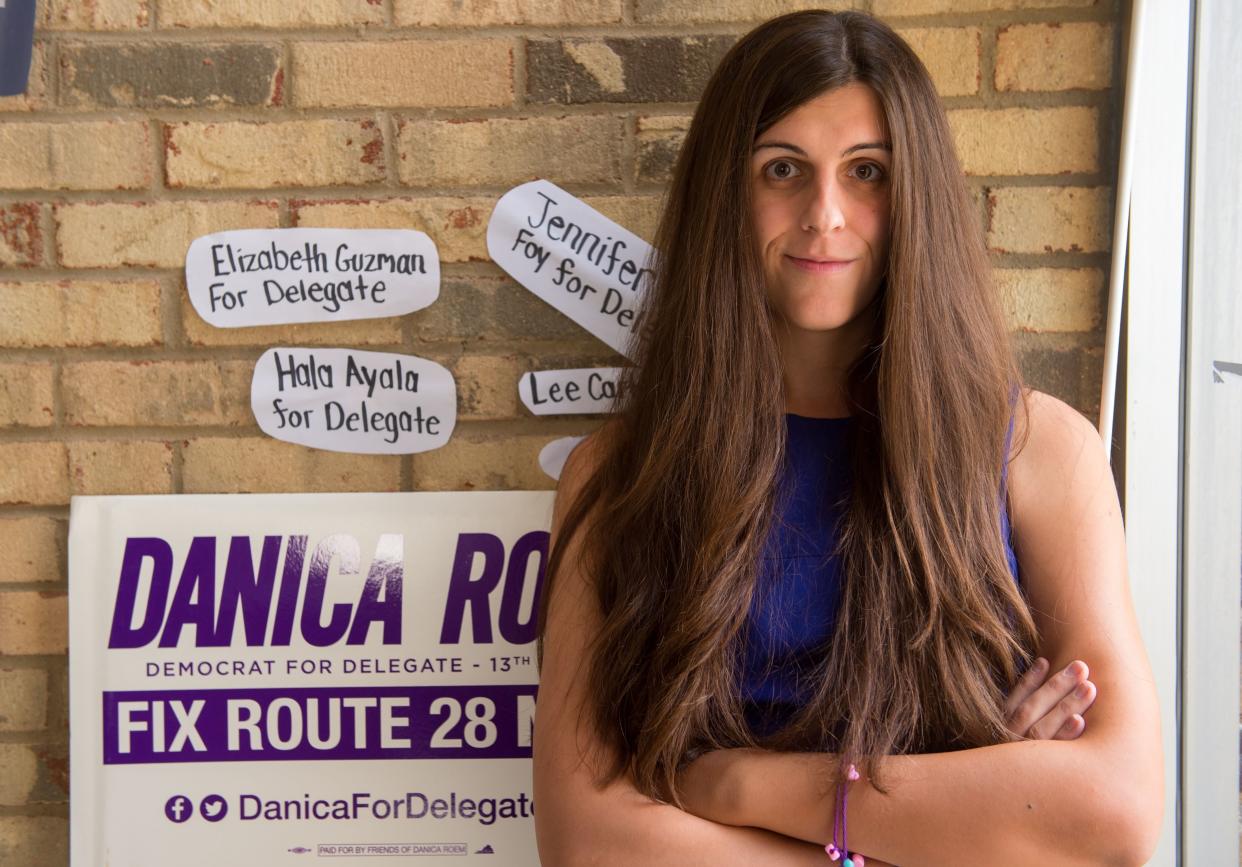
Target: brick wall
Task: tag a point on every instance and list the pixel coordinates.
(150, 122)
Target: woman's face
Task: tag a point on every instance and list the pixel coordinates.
(820, 199)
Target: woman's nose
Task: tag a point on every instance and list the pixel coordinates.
(825, 211)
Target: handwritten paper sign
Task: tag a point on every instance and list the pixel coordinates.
(274, 276)
(552, 457)
(347, 400)
(573, 257)
(571, 391)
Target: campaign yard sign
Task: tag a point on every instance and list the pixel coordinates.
(275, 679)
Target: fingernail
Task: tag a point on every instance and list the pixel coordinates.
(1083, 689)
(1074, 668)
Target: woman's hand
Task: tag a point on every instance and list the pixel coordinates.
(1050, 709)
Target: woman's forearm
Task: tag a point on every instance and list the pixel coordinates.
(654, 835)
(1031, 802)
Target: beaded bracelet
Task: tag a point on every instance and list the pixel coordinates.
(852, 859)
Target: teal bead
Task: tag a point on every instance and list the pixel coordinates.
(849, 862)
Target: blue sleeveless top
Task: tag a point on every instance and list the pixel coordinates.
(796, 601)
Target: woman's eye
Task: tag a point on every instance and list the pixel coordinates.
(873, 172)
(775, 171)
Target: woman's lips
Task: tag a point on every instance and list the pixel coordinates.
(828, 267)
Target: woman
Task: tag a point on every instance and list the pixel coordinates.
(790, 549)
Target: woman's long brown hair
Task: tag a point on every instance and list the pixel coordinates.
(931, 627)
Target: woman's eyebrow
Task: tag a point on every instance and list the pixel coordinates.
(877, 145)
(871, 145)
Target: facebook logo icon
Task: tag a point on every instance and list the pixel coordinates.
(178, 809)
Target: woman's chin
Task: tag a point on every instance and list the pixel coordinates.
(819, 322)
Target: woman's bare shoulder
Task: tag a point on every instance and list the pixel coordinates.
(1049, 421)
(584, 458)
(1056, 447)
(580, 466)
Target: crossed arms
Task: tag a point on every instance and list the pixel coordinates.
(1094, 800)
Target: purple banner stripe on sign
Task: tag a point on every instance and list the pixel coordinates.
(380, 722)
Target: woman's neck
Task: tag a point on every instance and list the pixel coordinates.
(814, 367)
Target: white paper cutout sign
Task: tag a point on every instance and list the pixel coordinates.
(347, 400)
(573, 257)
(552, 457)
(572, 391)
(280, 276)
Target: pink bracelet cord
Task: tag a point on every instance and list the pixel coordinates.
(839, 820)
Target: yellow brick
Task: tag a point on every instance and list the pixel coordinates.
(359, 332)
(105, 155)
(657, 144)
(509, 151)
(1057, 56)
(160, 393)
(34, 473)
(487, 386)
(1050, 219)
(33, 623)
(951, 55)
(639, 214)
(94, 14)
(80, 313)
(664, 123)
(1052, 299)
(19, 770)
(53, 770)
(415, 74)
(155, 234)
(30, 549)
(887, 8)
(24, 699)
(120, 467)
(696, 11)
(263, 13)
(42, 840)
(490, 13)
(479, 462)
(458, 226)
(26, 395)
(1026, 141)
(35, 97)
(311, 153)
(21, 234)
(260, 465)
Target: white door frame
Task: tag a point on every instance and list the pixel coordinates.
(1183, 408)
(1212, 518)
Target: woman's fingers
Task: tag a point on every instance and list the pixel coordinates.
(1034, 705)
(1040, 713)
(1071, 728)
(1063, 712)
(1027, 684)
